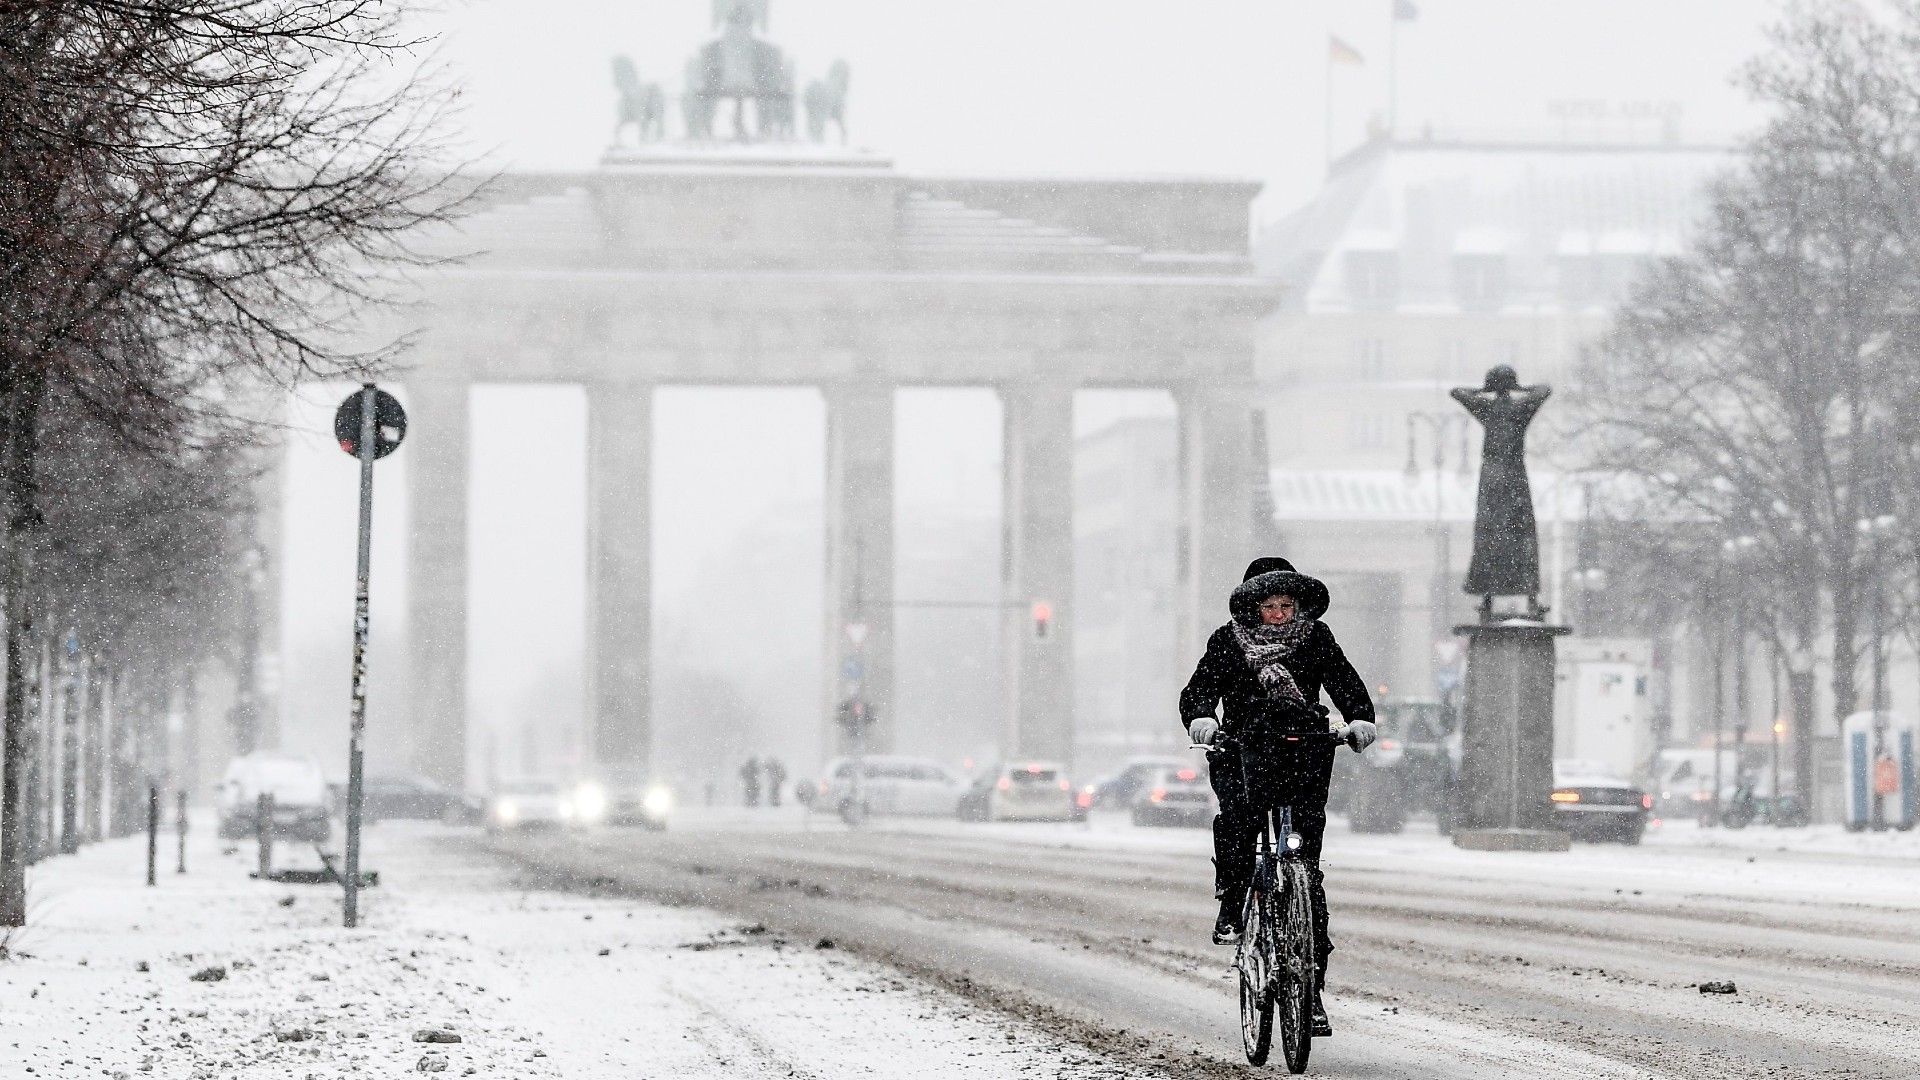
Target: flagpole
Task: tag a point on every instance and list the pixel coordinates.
(1329, 110)
(1393, 69)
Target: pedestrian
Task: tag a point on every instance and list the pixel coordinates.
(776, 777)
(750, 779)
(1263, 671)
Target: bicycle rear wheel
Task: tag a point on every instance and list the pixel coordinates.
(1296, 969)
(1255, 959)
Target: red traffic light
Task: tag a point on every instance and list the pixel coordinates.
(1042, 619)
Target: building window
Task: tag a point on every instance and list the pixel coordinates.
(1370, 359)
(1581, 280)
(1480, 281)
(1373, 279)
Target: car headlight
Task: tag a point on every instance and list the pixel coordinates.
(505, 812)
(658, 801)
(590, 802)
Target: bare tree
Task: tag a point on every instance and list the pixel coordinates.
(1750, 388)
(192, 195)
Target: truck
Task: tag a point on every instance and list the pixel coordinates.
(1601, 709)
(1409, 769)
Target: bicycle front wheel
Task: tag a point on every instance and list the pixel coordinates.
(1297, 971)
(1255, 959)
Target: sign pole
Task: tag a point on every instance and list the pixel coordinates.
(357, 736)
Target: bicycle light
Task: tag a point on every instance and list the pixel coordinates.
(1293, 841)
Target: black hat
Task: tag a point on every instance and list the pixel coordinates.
(1265, 565)
(1308, 592)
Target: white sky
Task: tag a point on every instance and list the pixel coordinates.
(1118, 86)
(1059, 87)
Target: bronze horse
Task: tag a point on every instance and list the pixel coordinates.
(643, 105)
(827, 103)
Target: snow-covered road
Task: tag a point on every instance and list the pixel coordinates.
(1451, 964)
(534, 983)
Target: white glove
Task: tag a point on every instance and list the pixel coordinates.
(1202, 729)
(1360, 734)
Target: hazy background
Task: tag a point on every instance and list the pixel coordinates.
(1069, 87)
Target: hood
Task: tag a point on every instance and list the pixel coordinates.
(1266, 565)
(1306, 591)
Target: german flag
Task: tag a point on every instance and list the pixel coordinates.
(1340, 52)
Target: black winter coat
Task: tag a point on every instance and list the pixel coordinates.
(1224, 676)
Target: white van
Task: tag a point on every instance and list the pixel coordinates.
(301, 803)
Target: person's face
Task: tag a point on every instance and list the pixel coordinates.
(1275, 610)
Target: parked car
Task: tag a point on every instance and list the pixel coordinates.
(301, 802)
(530, 803)
(1177, 796)
(1022, 791)
(621, 796)
(888, 784)
(411, 797)
(1593, 805)
(1117, 792)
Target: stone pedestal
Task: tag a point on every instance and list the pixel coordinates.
(1506, 764)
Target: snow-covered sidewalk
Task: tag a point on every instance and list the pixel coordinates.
(212, 974)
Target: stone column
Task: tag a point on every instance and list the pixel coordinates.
(620, 573)
(859, 516)
(1214, 533)
(437, 449)
(1037, 568)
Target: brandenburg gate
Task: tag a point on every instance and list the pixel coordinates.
(771, 261)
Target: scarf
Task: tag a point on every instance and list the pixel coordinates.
(1267, 649)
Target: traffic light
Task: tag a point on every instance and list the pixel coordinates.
(855, 715)
(1042, 619)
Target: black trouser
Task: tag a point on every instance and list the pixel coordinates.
(1295, 777)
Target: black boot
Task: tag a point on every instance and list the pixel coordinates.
(1322, 1027)
(1226, 927)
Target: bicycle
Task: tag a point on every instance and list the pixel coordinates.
(1276, 956)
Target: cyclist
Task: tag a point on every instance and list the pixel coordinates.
(1264, 671)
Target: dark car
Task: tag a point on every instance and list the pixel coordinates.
(1117, 792)
(1176, 796)
(1592, 805)
(1409, 768)
(408, 797)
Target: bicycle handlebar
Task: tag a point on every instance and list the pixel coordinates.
(1223, 741)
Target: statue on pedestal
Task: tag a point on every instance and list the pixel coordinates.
(742, 67)
(1506, 538)
(1506, 744)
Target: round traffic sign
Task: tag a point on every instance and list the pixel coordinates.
(389, 423)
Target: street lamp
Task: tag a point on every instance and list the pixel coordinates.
(1588, 581)
(1440, 427)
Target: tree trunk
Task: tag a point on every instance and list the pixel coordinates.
(93, 722)
(1846, 633)
(15, 753)
(17, 484)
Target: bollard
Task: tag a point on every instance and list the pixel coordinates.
(180, 829)
(153, 832)
(263, 832)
